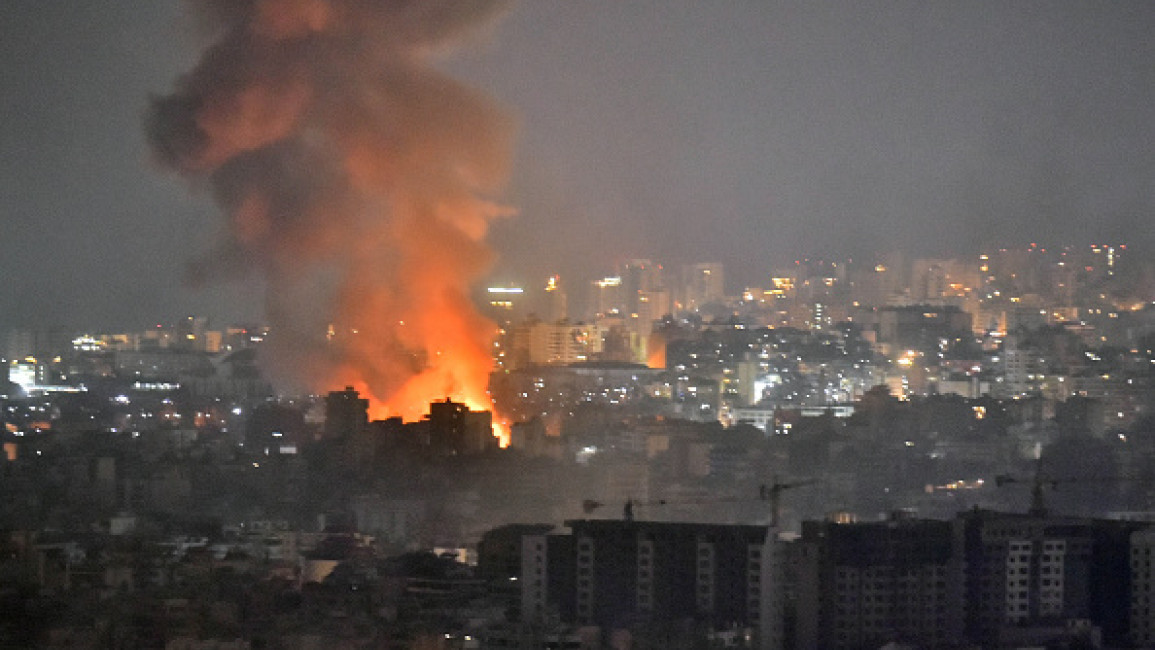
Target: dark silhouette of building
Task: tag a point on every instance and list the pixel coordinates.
(456, 430)
(1029, 578)
(499, 551)
(869, 584)
(639, 575)
(345, 413)
(985, 579)
(918, 327)
(272, 428)
(499, 561)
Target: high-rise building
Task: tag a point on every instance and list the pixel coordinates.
(189, 333)
(868, 584)
(538, 343)
(641, 278)
(702, 284)
(937, 280)
(1107, 258)
(985, 579)
(1142, 626)
(646, 300)
(651, 307)
(626, 574)
(559, 342)
(505, 304)
(1025, 575)
(556, 308)
(456, 430)
(918, 327)
(607, 297)
(346, 413)
(1023, 367)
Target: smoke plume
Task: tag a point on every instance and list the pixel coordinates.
(356, 178)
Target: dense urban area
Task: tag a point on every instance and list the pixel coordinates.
(895, 452)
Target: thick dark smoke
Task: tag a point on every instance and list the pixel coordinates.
(356, 179)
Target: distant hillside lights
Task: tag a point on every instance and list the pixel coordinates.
(88, 343)
(27, 373)
(34, 377)
(190, 334)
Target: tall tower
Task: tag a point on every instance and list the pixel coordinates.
(647, 300)
(454, 429)
(607, 298)
(556, 307)
(505, 303)
(702, 284)
(346, 412)
(641, 278)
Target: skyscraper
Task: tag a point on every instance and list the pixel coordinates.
(702, 284)
(623, 574)
(346, 412)
(641, 279)
(556, 307)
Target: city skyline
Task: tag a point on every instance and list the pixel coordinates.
(678, 293)
(322, 320)
(747, 135)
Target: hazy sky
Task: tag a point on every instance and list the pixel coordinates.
(743, 132)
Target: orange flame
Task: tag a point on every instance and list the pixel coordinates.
(357, 179)
(656, 351)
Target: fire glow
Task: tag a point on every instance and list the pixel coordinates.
(357, 180)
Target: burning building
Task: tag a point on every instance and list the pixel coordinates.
(358, 182)
(454, 429)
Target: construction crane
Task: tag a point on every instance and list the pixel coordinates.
(1038, 507)
(589, 505)
(772, 493)
(1039, 481)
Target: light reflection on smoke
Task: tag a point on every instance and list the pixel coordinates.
(357, 179)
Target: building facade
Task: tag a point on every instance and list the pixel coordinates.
(641, 575)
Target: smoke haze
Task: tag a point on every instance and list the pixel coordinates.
(357, 180)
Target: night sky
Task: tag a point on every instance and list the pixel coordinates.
(749, 133)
